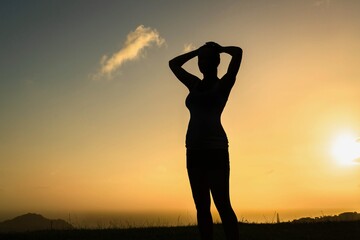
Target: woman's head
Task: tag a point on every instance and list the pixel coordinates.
(208, 58)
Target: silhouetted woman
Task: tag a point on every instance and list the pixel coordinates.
(207, 156)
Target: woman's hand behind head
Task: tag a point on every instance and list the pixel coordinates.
(213, 45)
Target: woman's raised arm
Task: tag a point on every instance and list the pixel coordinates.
(236, 55)
(185, 77)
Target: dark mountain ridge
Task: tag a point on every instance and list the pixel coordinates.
(36, 222)
(342, 217)
(33, 222)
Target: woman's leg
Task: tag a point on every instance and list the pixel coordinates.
(219, 185)
(201, 193)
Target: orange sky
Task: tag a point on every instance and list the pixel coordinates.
(75, 137)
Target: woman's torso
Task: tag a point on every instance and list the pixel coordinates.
(206, 102)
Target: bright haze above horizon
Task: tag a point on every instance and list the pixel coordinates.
(91, 117)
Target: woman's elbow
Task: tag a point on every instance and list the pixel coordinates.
(171, 64)
(239, 51)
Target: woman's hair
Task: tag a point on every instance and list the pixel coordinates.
(208, 58)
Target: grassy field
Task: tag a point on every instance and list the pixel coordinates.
(281, 231)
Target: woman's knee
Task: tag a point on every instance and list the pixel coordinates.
(202, 206)
(224, 207)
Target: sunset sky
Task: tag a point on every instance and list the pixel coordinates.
(92, 119)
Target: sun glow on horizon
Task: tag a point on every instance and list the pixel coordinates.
(346, 149)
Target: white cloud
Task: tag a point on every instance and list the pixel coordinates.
(188, 47)
(320, 3)
(136, 41)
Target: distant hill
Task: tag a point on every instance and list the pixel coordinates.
(33, 222)
(342, 217)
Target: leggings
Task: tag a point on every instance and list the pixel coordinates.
(209, 172)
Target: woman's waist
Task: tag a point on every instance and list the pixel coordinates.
(206, 143)
(205, 121)
(203, 134)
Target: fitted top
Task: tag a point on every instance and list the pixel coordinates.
(205, 130)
